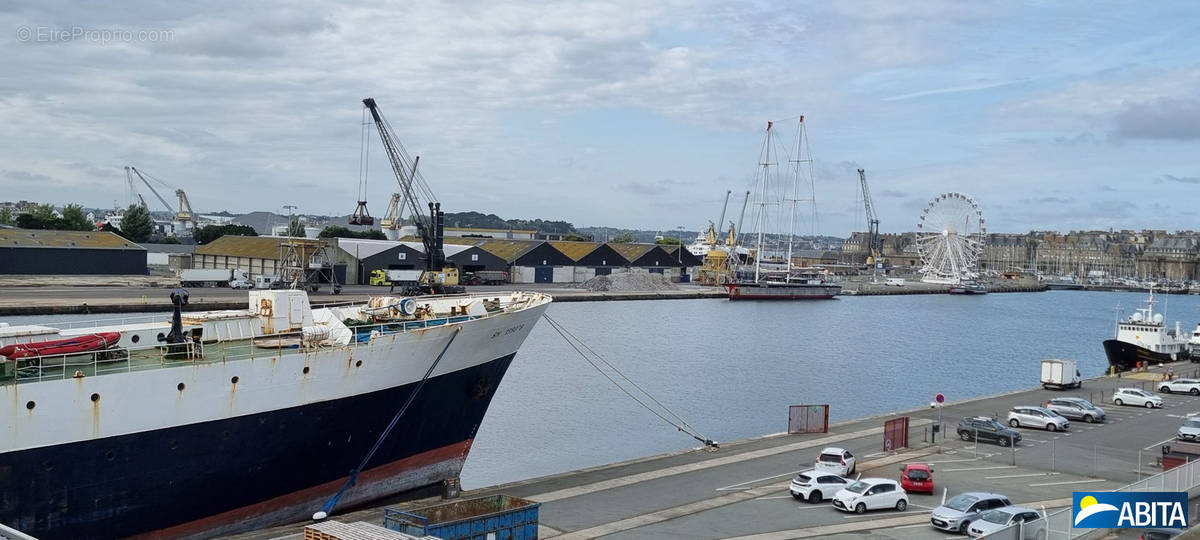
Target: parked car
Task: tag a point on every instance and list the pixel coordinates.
(836, 460)
(1160, 533)
(815, 486)
(1038, 417)
(983, 428)
(871, 494)
(1190, 386)
(916, 477)
(1190, 430)
(1032, 523)
(1076, 409)
(1136, 397)
(956, 514)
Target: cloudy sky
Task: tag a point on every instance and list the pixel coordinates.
(1053, 115)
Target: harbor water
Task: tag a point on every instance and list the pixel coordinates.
(731, 369)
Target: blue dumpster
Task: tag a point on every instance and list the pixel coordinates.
(499, 516)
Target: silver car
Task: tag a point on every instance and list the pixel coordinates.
(1076, 409)
(957, 513)
(1190, 430)
(1029, 521)
(1037, 417)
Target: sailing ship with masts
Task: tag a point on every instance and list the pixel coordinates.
(769, 273)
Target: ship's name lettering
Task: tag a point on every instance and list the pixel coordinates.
(507, 331)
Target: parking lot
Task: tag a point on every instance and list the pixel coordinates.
(741, 491)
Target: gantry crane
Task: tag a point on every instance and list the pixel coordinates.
(874, 241)
(439, 276)
(182, 213)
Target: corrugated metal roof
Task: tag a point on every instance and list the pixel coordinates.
(632, 252)
(257, 247)
(64, 239)
(510, 250)
(575, 250)
(480, 229)
(456, 240)
(363, 248)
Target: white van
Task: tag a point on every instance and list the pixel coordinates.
(894, 281)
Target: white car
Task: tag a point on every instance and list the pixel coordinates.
(835, 460)
(1038, 417)
(1031, 524)
(816, 485)
(1190, 430)
(871, 494)
(1191, 386)
(1136, 397)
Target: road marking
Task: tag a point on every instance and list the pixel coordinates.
(781, 497)
(856, 516)
(735, 486)
(708, 464)
(1019, 475)
(1094, 480)
(1159, 443)
(954, 460)
(979, 468)
(1027, 439)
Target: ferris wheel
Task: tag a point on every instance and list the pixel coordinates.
(950, 238)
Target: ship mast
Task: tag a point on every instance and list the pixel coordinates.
(762, 203)
(795, 194)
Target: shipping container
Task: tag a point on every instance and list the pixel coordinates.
(498, 517)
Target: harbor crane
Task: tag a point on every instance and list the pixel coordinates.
(440, 276)
(874, 241)
(182, 213)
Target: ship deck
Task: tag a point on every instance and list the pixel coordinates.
(160, 356)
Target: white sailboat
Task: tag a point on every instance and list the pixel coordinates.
(771, 278)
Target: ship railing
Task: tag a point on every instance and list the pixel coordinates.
(119, 321)
(155, 356)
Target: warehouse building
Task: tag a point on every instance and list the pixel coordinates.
(688, 262)
(365, 256)
(532, 261)
(262, 255)
(591, 258)
(498, 234)
(650, 258)
(474, 258)
(27, 251)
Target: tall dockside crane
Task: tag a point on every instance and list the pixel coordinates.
(874, 241)
(439, 276)
(181, 214)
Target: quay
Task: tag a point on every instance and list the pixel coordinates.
(142, 295)
(741, 490)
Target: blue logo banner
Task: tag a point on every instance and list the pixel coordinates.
(1110, 509)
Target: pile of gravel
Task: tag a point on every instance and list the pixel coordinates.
(629, 282)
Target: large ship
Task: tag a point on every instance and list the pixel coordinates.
(223, 421)
(1144, 338)
(772, 276)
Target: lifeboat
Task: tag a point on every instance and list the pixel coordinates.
(78, 344)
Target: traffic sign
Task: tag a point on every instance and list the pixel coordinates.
(940, 398)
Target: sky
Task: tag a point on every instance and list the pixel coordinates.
(1051, 115)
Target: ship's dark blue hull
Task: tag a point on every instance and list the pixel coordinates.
(1126, 356)
(201, 474)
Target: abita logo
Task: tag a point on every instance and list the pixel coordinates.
(1108, 509)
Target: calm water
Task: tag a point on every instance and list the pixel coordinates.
(732, 368)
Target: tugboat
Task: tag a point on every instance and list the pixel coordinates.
(1144, 338)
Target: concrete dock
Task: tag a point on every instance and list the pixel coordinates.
(741, 490)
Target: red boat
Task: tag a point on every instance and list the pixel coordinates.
(77, 344)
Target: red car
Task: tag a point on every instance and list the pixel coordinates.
(916, 477)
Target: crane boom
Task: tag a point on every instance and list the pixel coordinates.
(874, 242)
(429, 226)
(152, 190)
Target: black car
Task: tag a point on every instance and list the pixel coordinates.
(987, 429)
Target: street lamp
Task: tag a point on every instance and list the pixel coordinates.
(680, 236)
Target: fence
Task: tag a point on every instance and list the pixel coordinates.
(1057, 525)
(808, 419)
